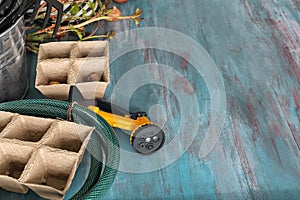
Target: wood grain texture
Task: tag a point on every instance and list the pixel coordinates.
(255, 44)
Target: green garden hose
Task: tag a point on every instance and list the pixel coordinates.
(103, 145)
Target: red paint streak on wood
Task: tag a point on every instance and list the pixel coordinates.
(292, 126)
(295, 134)
(296, 99)
(286, 51)
(276, 150)
(148, 59)
(175, 107)
(281, 35)
(245, 164)
(181, 83)
(184, 64)
(224, 175)
(276, 129)
(147, 56)
(165, 92)
(238, 81)
(185, 57)
(289, 45)
(270, 22)
(252, 115)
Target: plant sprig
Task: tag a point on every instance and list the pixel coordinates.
(75, 23)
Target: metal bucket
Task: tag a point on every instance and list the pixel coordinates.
(13, 70)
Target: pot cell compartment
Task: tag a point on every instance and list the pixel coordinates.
(5, 119)
(14, 157)
(66, 136)
(26, 128)
(50, 168)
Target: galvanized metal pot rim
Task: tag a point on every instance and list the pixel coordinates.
(11, 27)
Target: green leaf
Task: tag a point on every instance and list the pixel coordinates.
(83, 13)
(75, 9)
(99, 3)
(91, 5)
(77, 31)
(79, 34)
(108, 11)
(38, 37)
(103, 7)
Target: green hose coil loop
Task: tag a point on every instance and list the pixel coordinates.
(98, 183)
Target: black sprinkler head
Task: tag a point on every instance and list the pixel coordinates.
(148, 138)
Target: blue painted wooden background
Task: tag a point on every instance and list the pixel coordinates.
(256, 46)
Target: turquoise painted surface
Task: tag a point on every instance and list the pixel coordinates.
(255, 45)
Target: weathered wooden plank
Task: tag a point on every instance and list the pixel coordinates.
(255, 44)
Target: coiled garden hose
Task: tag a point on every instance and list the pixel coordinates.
(103, 145)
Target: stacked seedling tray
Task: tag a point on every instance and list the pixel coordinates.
(40, 154)
(84, 65)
